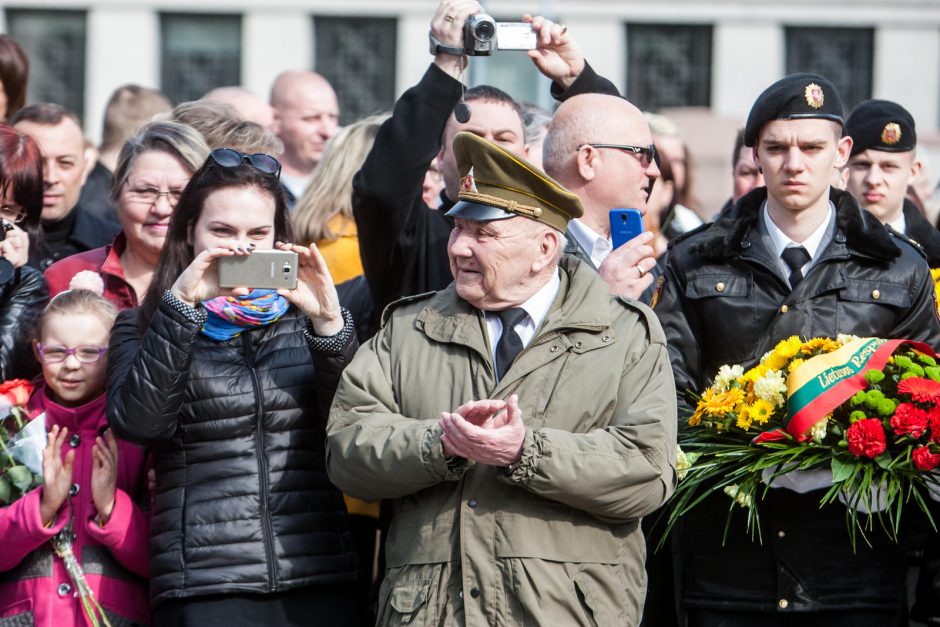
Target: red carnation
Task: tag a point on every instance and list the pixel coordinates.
(910, 419)
(920, 389)
(866, 438)
(924, 459)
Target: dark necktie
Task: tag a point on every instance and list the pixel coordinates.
(509, 344)
(795, 257)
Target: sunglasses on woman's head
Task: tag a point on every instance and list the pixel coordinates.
(231, 158)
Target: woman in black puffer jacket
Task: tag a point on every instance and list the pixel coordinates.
(232, 395)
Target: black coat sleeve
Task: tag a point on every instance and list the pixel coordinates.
(147, 375)
(21, 303)
(400, 237)
(588, 82)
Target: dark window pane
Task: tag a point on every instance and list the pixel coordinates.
(843, 55)
(357, 56)
(200, 52)
(669, 65)
(55, 44)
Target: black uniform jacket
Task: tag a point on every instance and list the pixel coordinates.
(725, 301)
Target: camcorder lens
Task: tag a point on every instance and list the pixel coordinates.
(484, 31)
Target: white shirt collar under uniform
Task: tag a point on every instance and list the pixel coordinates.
(781, 241)
(899, 225)
(595, 245)
(536, 307)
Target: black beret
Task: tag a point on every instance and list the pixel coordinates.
(881, 125)
(793, 97)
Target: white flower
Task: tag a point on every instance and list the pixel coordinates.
(682, 463)
(743, 499)
(771, 387)
(844, 338)
(727, 375)
(818, 430)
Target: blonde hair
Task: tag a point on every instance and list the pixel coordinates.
(77, 302)
(330, 190)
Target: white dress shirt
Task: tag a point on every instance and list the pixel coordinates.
(781, 242)
(594, 244)
(536, 307)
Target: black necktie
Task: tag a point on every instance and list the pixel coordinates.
(795, 257)
(509, 344)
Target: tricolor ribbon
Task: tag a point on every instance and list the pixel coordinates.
(820, 384)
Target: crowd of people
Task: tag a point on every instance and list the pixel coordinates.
(466, 410)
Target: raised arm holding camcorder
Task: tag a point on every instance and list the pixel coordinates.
(231, 387)
(402, 240)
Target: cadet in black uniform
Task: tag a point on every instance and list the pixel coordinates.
(792, 258)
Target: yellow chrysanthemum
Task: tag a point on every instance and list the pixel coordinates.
(754, 373)
(744, 418)
(794, 364)
(789, 347)
(813, 346)
(830, 346)
(760, 411)
(723, 403)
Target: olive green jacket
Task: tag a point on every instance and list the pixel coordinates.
(557, 541)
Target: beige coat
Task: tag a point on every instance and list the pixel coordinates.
(558, 541)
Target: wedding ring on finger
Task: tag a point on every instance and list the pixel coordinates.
(640, 271)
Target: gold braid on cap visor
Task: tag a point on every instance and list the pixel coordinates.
(509, 205)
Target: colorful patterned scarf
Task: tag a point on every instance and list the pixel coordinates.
(230, 315)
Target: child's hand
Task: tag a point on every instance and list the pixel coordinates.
(104, 474)
(56, 474)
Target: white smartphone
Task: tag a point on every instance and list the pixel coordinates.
(268, 269)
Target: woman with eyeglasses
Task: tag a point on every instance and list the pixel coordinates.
(152, 169)
(231, 389)
(22, 288)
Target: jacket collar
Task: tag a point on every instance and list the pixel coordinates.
(582, 303)
(922, 232)
(864, 235)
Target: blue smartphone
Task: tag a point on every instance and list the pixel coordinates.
(625, 224)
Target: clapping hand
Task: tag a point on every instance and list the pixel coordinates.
(56, 473)
(488, 432)
(104, 474)
(315, 294)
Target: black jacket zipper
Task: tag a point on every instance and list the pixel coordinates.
(262, 468)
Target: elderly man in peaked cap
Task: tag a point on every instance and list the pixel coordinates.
(793, 258)
(521, 420)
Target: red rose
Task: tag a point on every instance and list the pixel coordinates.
(866, 438)
(16, 391)
(910, 419)
(924, 459)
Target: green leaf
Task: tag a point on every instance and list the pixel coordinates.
(20, 477)
(5, 491)
(840, 470)
(884, 461)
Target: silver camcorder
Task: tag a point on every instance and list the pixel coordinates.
(482, 35)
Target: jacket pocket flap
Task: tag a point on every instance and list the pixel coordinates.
(876, 292)
(715, 284)
(408, 596)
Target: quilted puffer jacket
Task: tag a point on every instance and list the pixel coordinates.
(242, 503)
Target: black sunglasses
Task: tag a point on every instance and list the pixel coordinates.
(646, 152)
(231, 158)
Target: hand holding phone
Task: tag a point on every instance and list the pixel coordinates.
(625, 224)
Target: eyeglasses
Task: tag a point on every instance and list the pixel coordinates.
(12, 213)
(231, 158)
(150, 195)
(647, 153)
(84, 354)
